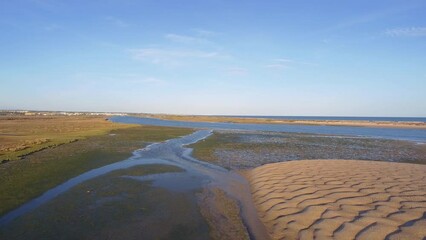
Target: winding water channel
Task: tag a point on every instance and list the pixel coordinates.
(197, 174)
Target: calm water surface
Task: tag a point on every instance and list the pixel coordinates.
(417, 135)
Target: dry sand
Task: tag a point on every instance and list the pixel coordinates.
(341, 199)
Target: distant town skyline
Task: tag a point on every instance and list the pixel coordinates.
(288, 58)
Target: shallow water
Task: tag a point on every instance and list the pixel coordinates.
(113, 206)
(418, 135)
(197, 174)
(175, 182)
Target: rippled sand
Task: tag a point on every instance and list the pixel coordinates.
(341, 199)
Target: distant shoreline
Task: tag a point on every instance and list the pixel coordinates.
(279, 120)
(378, 122)
(332, 118)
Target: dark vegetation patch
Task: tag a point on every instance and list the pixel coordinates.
(115, 207)
(240, 150)
(27, 178)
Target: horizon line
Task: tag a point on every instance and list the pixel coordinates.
(215, 115)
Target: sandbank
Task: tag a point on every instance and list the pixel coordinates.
(341, 199)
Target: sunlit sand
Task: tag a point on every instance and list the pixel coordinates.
(341, 199)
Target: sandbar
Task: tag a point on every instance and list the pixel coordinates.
(341, 199)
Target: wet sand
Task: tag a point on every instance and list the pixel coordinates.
(341, 199)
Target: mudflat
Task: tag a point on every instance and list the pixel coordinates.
(245, 150)
(341, 199)
(164, 199)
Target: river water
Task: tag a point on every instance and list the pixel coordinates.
(417, 135)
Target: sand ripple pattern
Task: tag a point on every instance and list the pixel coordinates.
(341, 199)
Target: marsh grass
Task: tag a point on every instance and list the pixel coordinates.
(115, 207)
(205, 149)
(21, 136)
(29, 177)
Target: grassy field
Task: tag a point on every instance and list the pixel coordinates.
(27, 178)
(22, 135)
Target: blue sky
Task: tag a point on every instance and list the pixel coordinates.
(342, 58)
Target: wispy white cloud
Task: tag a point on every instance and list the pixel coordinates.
(170, 56)
(278, 66)
(205, 33)
(284, 63)
(407, 32)
(284, 60)
(190, 50)
(185, 39)
(280, 63)
(372, 16)
(149, 81)
(237, 71)
(117, 22)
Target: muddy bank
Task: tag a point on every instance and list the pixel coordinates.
(244, 150)
(115, 206)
